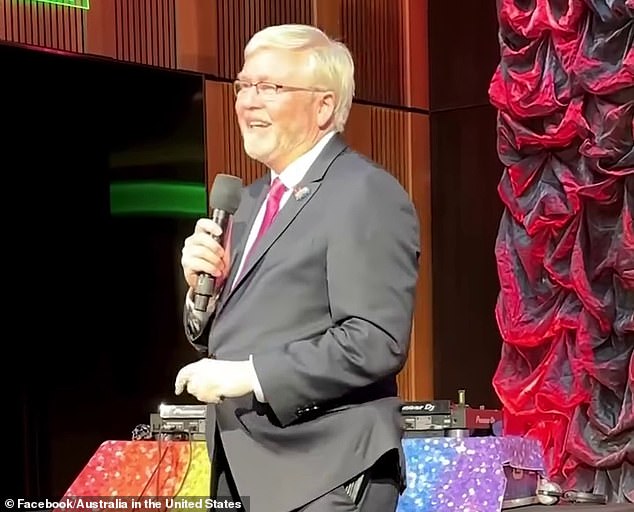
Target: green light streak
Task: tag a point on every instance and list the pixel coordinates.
(77, 4)
(174, 199)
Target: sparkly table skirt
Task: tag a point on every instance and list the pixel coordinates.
(145, 468)
(443, 474)
(466, 475)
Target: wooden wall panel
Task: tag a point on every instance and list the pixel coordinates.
(197, 36)
(387, 39)
(42, 24)
(238, 21)
(381, 134)
(373, 30)
(418, 384)
(211, 35)
(399, 141)
(416, 69)
(327, 16)
(140, 31)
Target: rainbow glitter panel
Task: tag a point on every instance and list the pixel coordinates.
(465, 475)
(145, 468)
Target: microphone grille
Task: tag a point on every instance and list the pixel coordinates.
(225, 193)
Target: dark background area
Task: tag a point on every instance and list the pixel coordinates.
(94, 299)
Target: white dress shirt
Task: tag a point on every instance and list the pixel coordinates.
(291, 176)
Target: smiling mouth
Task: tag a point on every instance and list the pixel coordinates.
(258, 124)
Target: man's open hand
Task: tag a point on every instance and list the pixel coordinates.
(211, 380)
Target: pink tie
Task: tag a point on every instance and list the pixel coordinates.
(272, 207)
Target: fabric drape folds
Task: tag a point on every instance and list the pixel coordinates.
(564, 90)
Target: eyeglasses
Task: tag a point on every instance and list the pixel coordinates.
(268, 89)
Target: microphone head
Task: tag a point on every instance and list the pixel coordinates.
(225, 193)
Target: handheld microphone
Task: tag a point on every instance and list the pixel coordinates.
(224, 200)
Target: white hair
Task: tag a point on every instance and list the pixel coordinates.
(329, 61)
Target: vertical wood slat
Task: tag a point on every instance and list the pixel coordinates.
(41, 24)
(3, 20)
(418, 162)
(416, 54)
(327, 16)
(374, 32)
(383, 135)
(140, 31)
(197, 35)
(102, 27)
(238, 21)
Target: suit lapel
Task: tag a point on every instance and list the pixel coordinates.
(312, 181)
(281, 222)
(240, 232)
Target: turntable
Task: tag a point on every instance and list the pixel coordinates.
(444, 418)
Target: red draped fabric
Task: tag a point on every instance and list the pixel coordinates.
(564, 90)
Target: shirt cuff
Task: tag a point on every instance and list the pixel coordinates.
(257, 388)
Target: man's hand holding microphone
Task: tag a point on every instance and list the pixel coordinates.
(202, 253)
(205, 261)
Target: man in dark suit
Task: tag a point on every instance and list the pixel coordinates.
(313, 323)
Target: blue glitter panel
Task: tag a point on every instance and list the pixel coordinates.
(466, 475)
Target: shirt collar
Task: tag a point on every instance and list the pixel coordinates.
(296, 170)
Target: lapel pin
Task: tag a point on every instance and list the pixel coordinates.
(300, 193)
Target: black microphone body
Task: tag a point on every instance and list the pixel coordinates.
(206, 284)
(224, 201)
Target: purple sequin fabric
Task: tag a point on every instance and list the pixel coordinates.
(466, 475)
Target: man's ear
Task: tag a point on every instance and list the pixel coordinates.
(326, 110)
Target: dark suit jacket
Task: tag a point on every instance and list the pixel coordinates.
(325, 306)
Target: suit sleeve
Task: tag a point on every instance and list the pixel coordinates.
(197, 325)
(372, 270)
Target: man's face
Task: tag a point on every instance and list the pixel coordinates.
(278, 127)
